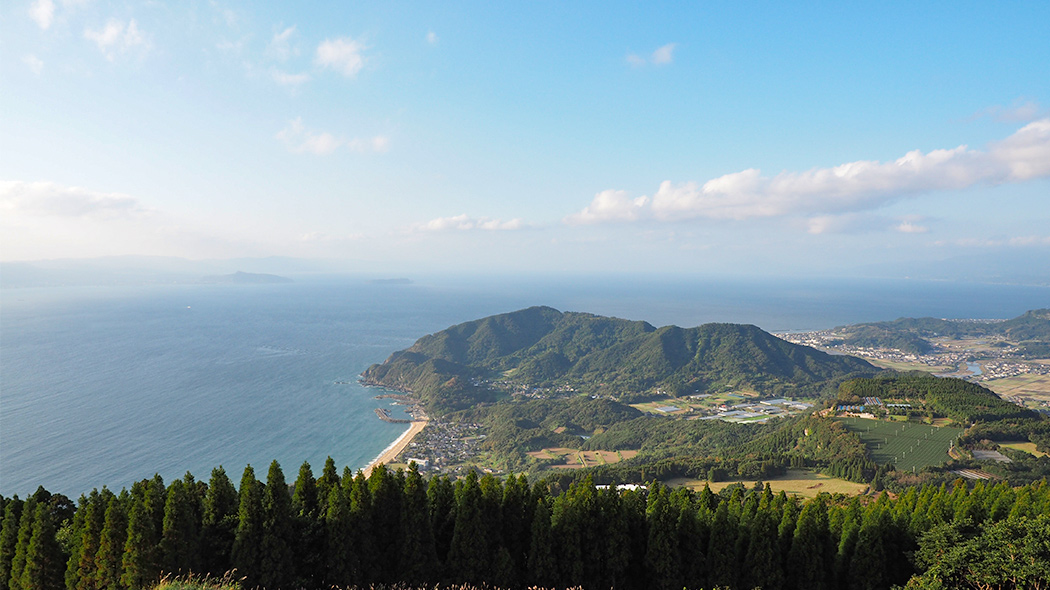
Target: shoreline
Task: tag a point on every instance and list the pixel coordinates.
(395, 448)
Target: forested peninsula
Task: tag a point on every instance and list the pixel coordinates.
(570, 352)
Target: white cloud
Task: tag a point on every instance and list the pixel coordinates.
(43, 13)
(664, 55)
(118, 38)
(610, 205)
(661, 57)
(299, 139)
(342, 55)
(432, 38)
(280, 47)
(54, 200)
(862, 222)
(465, 223)
(909, 227)
(849, 187)
(286, 79)
(34, 63)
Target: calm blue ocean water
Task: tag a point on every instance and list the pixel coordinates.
(108, 385)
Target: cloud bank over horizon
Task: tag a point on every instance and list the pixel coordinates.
(848, 188)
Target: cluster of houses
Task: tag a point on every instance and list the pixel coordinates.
(999, 366)
(441, 444)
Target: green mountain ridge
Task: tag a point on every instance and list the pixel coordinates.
(541, 347)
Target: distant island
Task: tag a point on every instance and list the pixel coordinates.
(244, 278)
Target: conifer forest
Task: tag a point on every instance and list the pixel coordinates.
(398, 527)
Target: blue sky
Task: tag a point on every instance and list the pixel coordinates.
(731, 137)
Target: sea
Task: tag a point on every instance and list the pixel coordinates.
(104, 386)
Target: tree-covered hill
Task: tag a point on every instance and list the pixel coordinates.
(913, 334)
(541, 347)
(957, 399)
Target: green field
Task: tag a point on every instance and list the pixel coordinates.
(907, 445)
(795, 482)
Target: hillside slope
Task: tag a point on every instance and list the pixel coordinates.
(541, 347)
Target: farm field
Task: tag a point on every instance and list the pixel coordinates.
(1031, 391)
(909, 446)
(1028, 447)
(662, 405)
(905, 365)
(796, 481)
(577, 459)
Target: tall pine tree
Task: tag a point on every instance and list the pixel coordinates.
(276, 563)
(248, 540)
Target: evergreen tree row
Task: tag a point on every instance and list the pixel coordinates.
(346, 529)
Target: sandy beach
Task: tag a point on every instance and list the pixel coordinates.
(395, 448)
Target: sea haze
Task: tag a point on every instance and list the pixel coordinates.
(108, 385)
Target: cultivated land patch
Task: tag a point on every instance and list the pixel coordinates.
(1031, 391)
(796, 481)
(907, 445)
(1028, 447)
(898, 365)
(577, 459)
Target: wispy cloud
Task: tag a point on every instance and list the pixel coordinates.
(43, 13)
(864, 222)
(286, 79)
(432, 38)
(299, 139)
(50, 220)
(280, 46)
(467, 223)
(34, 63)
(854, 186)
(342, 55)
(908, 226)
(54, 200)
(116, 38)
(1021, 110)
(662, 56)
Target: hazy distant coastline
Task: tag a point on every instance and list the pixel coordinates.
(244, 278)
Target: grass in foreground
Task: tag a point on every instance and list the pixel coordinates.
(229, 581)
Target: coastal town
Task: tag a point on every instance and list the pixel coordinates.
(992, 362)
(974, 361)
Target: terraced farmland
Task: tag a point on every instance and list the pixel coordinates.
(905, 444)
